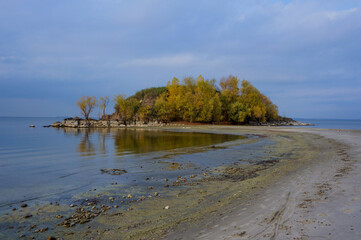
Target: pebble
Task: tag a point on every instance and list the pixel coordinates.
(166, 207)
(166, 185)
(130, 196)
(115, 206)
(156, 194)
(150, 187)
(72, 205)
(59, 216)
(28, 216)
(24, 205)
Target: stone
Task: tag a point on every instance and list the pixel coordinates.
(24, 205)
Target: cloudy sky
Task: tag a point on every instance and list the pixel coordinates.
(305, 55)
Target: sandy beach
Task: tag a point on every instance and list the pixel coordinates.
(321, 200)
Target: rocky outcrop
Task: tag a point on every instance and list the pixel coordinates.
(115, 123)
(281, 122)
(82, 123)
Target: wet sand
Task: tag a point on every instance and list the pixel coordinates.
(321, 200)
(308, 188)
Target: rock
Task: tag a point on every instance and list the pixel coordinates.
(56, 204)
(156, 194)
(57, 125)
(147, 178)
(32, 126)
(130, 196)
(32, 227)
(14, 209)
(166, 207)
(72, 205)
(52, 238)
(116, 206)
(150, 187)
(113, 171)
(42, 230)
(59, 216)
(24, 205)
(28, 216)
(166, 185)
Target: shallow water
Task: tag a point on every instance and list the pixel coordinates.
(46, 164)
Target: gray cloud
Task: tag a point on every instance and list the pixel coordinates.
(62, 50)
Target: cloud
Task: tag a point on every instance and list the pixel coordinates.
(334, 15)
(303, 47)
(11, 59)
(177, 60)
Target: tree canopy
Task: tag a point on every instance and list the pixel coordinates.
(192, 100)
(86, 105)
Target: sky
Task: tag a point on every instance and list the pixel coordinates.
(305, 55)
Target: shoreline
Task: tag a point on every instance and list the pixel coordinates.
(319, 201)
(217, 198)
(81, 123)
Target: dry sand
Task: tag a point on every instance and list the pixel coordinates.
(320, 201)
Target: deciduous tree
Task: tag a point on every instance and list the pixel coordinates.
(86, 105)
(103, 103)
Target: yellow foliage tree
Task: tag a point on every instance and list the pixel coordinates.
(252, 101)
(127, 108)
(229, 95)
(86, 105)
(103, 103)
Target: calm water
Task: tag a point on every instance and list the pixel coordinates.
(333, 123)
(46, 164)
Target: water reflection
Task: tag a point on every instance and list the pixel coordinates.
(132, 141)
(143, 141)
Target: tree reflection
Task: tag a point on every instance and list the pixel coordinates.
(134, 140)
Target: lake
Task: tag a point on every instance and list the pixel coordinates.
(46, 164)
